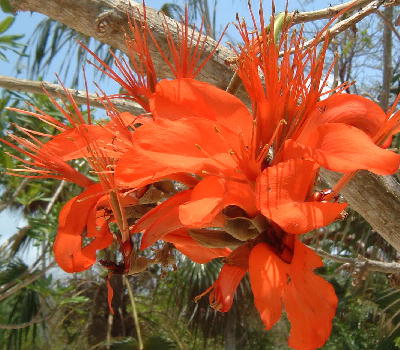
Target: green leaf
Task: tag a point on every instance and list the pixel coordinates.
(4, 25)
(9, 39)
(5, 6)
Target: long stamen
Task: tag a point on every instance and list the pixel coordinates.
(224, 177)
(265, 149)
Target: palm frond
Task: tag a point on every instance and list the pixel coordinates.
(172, 10)
(53, 41)
(11, 271)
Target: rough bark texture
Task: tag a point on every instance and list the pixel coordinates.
(387, 58)
(377, 199)
(106, 20)
(331, 11)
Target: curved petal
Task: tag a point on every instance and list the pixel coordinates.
(72, 143)
(344, 148)
(299, 218)
(183, 98)
(165, 147)
(240, 194)
(68, 251)
(285, 182)
(213, 194)
(349, 109)
(161, 220)
(193, 250)
(205, 202)
(224, 288)
(310, 301)
(268, 274)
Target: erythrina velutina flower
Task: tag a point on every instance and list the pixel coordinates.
(253, 174)
(202, 172)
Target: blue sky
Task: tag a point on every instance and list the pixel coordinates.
(226, 13)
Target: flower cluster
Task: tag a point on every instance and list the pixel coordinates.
(213, 177)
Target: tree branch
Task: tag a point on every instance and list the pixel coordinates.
(364, 263)
(387, 58)
(297, 17)
(25, 324)
(302, 17)
(389, 23)
(25, 283)
(39, 87)
(376, 199)
(353, 19)
(107, 21)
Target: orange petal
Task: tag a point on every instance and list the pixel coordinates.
(268, 274)
(183, 98)
(294, 150)
(193, 250)
(299, 218)
(285, 182)
(344, 148)
(242, 195)
(224, 288)
(213, 194)
(72, 143)
(161, 220)
(68, 251)
(205, 202)
(310, 301)
(348, 109)
(166, 147)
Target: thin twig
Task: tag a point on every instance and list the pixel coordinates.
(26, 324)
(303, 17)
(388, 23)
(134, 313)
(110, 321)
(348, 22)
(297, 17)
(25, 283)
(53, 199)
(234, 84)
(49, 206)
(39, 87)
(371, 265)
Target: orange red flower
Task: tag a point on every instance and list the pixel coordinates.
(242, 180)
